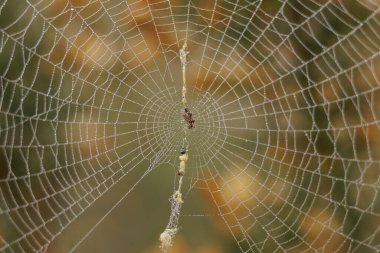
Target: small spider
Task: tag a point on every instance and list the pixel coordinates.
(189, 121)
(183, 149)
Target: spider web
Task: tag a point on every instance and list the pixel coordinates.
(285, 97)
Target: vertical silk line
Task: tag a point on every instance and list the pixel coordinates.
(182, 55)
(166, 237)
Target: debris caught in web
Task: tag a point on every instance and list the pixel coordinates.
(166, 238)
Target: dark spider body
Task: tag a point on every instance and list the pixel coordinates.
(188, 117)
(183, 149)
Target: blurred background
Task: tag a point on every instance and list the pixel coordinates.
(285, 155)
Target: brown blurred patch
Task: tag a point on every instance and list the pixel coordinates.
(141, 50)
(213, 199)
(240, 197)
(154, 21)
(371, 4)
(86, 50)
(321, 231)
(214, 13)
(210, 248)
